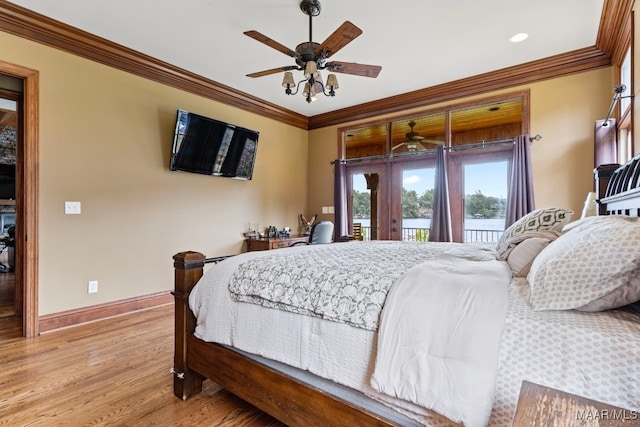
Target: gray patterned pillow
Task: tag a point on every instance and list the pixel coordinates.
(593, 267)
(543, 219)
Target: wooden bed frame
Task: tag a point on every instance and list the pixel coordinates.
(288, 399)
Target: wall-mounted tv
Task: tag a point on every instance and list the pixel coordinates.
(211, 147)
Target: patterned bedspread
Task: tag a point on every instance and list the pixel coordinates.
(341, 282)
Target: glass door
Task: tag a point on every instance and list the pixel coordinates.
(366, 196)
(412, 200)
(485, 201)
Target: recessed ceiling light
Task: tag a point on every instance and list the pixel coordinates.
(519, 37)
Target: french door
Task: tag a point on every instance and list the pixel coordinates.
(394, 200)
(411, 203)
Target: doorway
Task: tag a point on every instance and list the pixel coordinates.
(10, 105)
(25, 251)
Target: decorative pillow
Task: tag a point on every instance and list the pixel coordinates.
(538, 220)
(593, 267)
(522, 256)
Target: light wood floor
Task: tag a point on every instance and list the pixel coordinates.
(109, 373)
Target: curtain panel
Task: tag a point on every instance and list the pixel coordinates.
(341, 226)
(440, 229)
(520, 200)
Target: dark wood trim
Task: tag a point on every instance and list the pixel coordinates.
(27, 190)
(556, 66)
(64, 319)
(39, 28)
(25, 23)
(614, 33)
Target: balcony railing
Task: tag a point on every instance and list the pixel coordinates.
(422, 235)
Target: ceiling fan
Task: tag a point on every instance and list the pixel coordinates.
(413, 140)
(311, 56)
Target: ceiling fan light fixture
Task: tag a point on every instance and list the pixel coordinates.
(412, 146)
(311, 70)
(311, 57)
(332, 83)
(288, 82)
(309, 92)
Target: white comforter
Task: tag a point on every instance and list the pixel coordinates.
(440, 334)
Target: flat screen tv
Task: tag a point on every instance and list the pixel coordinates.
(211, 147)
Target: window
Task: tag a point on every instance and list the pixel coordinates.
(398, 156)
(624, 147)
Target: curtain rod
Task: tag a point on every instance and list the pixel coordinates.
(617, 94)
(454, 148)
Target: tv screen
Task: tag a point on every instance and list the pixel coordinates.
(211, 147)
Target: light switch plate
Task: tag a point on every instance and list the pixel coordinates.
(72, 208)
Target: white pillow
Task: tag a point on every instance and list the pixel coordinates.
(522, 256)
(544, 219)
(593, 267)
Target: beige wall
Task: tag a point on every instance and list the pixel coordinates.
(105, 140)
(563, 112)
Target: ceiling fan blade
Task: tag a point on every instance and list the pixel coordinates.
(353, 68)
(394, 148)
(272, 71)
(338, 39)
(432, 141)
(271, 43)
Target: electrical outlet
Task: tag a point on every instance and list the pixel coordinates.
(72, 208)
(92, 288)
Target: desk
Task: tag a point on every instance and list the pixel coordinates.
(265, 244)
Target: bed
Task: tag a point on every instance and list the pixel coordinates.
(324, 365)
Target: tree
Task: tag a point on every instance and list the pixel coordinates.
(361, 203)
(426, 200)
(410, 206)
(481, 205)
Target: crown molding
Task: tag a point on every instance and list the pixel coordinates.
(33, 26)
(555, 66)
(614, 30)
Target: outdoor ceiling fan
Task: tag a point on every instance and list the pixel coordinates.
(311, 57)
(413, 140)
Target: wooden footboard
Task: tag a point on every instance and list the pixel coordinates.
(288, 399)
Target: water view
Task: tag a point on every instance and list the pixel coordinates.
(476, 229)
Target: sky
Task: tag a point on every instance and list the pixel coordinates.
(489, 178)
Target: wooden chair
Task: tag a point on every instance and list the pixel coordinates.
(356, 231)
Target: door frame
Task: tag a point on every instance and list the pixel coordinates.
(27, 191)
(383, 187)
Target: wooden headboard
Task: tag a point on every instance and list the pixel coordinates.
(618, 188)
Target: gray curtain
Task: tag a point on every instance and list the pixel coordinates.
(440, 230)
(520, 199)
(341, 226)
